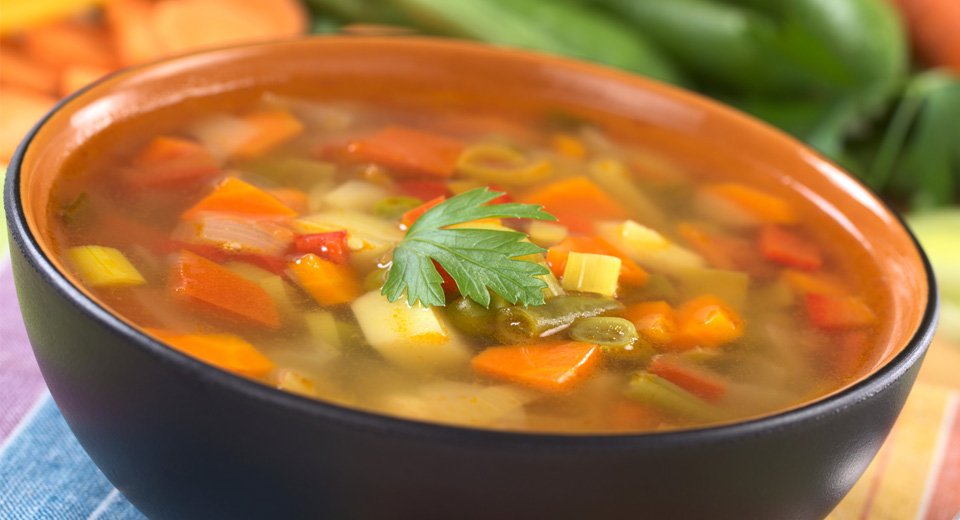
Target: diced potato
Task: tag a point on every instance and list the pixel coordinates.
(413, 337)
(721, 209)
(101, 266)
(730, 286)
(649, 248)
(223, 135)
(279, 290)
(593, 273)
(374, 231)
(354, 195)
(615, 178)
(462, 403)
(546, 234)
(323, 327)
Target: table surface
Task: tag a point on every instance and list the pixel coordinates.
(44, 473)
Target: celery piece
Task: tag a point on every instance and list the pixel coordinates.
(546, 234)
(354, 195)
(100, 266)
(588, 272)
(413, 337)
(292, 171)
(614, 177)
(729, 286)
(670, 399)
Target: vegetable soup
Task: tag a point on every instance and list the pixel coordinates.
(537, 274)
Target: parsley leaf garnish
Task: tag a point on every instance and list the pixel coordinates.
(478, 260)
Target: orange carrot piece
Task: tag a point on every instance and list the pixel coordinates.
(655, 321)
(186, 25)
(69, 43)
(765, 207)
(411, 216)
(817, 283)
(233, 195)
(295, 199)
(839, 312)
(553, 367)
(21, 109)
(405, 151)
(695, 380)
(568, 146)
(170, 162)
(19, 71)
(577, 203)
(130, 30)
(75, 77)
(273, 128)
(932, 25)
(199, 280)
(630, 272)
(629, 415)
(327, 282)
(706, 321)
(786, 248)
(721, 251)
(227, 351)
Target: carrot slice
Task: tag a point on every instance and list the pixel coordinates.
(295, 199)
(706, 321)
(273, 128)
(227, 351)
(408, 152)
(786, 248)
(655, 321)
(327, 282)
(233, 195)
(695, 380)
(553, 367)
(215, 287)
(724, 251)
(131, 32)
(630, 272)
(838, 312)
(767, 208)
(170, 162)
(577, 203)
(818, 283)
(411, 216)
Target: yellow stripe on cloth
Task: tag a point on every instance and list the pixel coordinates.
(894, 484)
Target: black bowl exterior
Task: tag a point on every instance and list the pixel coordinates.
(183, 440)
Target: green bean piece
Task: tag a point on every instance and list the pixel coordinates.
(657, 287)
(518, 324)
(604, 330)
(470, 317)
(670, 399)
(640, 352)
(394, 207)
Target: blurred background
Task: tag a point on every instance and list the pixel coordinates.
(872, 84)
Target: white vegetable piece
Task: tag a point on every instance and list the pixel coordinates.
(546, 234)
(462, 403)
(649, 248)
(222, 135)
(354, 194)
(589, 272)
(412, 337)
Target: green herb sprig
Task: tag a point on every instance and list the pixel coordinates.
(478, 260)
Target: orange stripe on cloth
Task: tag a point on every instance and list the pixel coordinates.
(943, 499)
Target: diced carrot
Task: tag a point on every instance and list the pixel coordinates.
(408, 218)
(577, 203)
(68, 43)
(568, 145)
(817, 283)
(328, 283)
(706, 321)
(75, 77)
(170, 163)
(227, 351)
(130, 30)
(408, 152)
(199, 280)
(628, 415)
(21, 109)
(765, 207)
(295, 199)
(424, 190)
(233, 195)
(786, 248)
(655, 321)
(20, 71)
(330, 246)
(553, 367)
(185, 25)
(724, 251)
(838, 312)
(630, 272)
(273, 128)
(695, 380)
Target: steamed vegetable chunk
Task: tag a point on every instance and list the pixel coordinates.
(528, 272)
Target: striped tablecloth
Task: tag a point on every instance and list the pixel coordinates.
(45, 474)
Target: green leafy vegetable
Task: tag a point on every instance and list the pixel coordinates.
(478, 260)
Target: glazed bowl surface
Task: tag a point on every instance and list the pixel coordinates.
(182, 439)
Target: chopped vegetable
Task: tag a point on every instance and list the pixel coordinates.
(236, 235)
(707, 321)
(520, 324)
(477, 259)
(394, 207)
(838, 312)
(406, 151)
(411, 216)
(323, 327)
(470, 317)
(604, 330)
(239, 197)
(499, 164)
(730, 286)
(577, 203)
(630, 273)
(227, 351)
(411, 336)
(171, 162)
(330, 246)
(669, 398)
(787, 248)
(649, 248)
(614, 177)
(327, 282)
(462, 403)
(546, 234)
(199, 280)
(271, 129)
(554, 367)
(354, 194)
(764, 206)
(588, 272)
(100, 266)
(655, 321)
(695, 380)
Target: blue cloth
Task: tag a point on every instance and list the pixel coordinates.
(45, 474)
